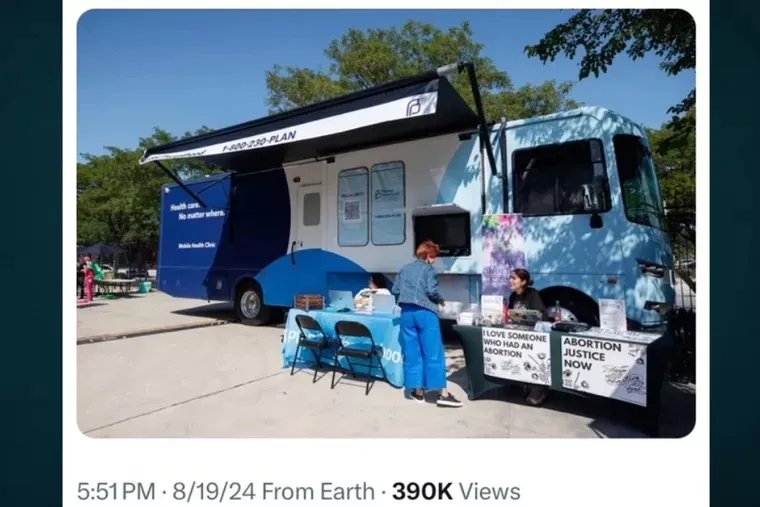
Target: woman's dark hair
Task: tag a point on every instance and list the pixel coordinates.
(523, 275)
(378, 280)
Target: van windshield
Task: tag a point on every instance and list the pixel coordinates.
(638, 181)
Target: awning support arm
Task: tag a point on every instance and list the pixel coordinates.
(470, 68)
(504, 171)
(485, 139)
(179, 182)
(501, 138)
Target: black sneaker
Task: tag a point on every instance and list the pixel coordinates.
(448, 401)
(419, 398)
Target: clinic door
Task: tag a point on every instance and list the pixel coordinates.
(310, 229)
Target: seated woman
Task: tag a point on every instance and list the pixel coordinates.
(525, 297)
(377, 285)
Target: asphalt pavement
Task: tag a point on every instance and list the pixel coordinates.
(229, 381)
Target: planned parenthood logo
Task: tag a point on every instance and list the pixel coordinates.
(387, 195)
(414, 107)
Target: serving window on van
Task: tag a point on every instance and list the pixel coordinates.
(449, 229)
(561, 179)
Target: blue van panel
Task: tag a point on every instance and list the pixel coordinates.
(244, 229)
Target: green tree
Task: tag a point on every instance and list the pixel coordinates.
(362, 59)
(603, 35)
(675, 158)
(119, 200)
(674, 152)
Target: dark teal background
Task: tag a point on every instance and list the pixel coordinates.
(30, 250)
(30, 364)
(735, 251)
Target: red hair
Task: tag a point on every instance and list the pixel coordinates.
(428, 250)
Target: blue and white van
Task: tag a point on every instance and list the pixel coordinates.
(317, 198)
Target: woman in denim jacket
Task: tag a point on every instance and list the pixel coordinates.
(424, 358)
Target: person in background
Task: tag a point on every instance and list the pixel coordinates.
(377, 285)
(424, 358)
(97, 270)
(525, 297)
(89, 279)
(80, 277)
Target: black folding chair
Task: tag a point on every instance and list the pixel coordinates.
(316, 344)
(368, 351)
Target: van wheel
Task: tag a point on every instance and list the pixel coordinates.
(573, 306)
(249, 306)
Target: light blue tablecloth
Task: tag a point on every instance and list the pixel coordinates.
(385, 331)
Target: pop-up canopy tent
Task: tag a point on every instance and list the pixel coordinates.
(421, 106)
(100, 249)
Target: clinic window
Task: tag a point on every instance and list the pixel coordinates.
(558, 179)
(353, 207)
(388, 197)
(311, 209)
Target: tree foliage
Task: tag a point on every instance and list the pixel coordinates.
(362, 59)
(119, 200)
(603, 35)
(675, 156)
(674, 151)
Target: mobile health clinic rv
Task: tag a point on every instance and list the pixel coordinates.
(316, 198)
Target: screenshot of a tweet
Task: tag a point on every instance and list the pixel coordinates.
(377, 256)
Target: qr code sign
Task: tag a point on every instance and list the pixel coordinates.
(352, 211)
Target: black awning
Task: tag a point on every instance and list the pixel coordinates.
(422, 106)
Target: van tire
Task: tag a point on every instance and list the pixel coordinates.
(580, 305)
(249, 305)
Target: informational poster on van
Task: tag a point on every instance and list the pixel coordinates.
(191, 226)
(608, 368)
(388, 215)
(612, 315)
(353, 185)
(523, 356)
(503, 251)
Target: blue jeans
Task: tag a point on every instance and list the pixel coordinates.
(424, 357)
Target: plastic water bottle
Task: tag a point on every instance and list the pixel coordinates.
(557, 312)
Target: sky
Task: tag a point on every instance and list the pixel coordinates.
(181, 69)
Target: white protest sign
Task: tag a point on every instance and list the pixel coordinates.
(629, 336)
(612, 315)
(524, 356)
(612, 369)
